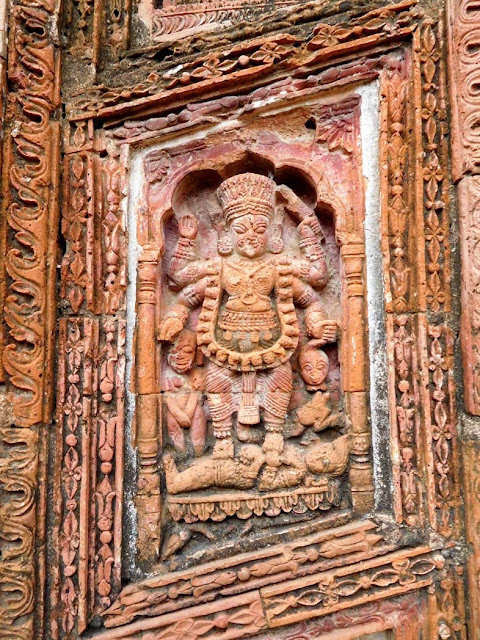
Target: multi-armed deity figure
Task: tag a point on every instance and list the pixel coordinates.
(248, 327)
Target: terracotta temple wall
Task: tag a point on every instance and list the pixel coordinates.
(240, 320)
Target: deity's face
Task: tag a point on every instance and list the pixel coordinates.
(313, 367)
(249, 234)
(182, 354)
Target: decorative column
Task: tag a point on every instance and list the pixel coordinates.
(355, 378)
(148, 501)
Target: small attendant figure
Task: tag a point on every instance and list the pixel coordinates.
(184, 404)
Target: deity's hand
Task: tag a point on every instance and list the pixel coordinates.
(169, 329)
(188, 226)
(294, 204)
(311, 223)
(288, 196)
(323, 332)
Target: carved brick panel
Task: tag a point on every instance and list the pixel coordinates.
(256, 420)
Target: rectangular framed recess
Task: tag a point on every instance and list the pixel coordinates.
(97, 317)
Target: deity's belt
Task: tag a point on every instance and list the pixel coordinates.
(248, 320)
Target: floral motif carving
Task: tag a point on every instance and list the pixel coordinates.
(305, 556)
(78, 227)
(267, 52)
(443, 425)
(335, 125)
(114, 247)
(407, 418)
(395, 88)
(109, 477)
(373, 23)
(448, 611)
(436, 199)
(325, 592)
(260, 55)
(90, 408)
(406, 613)
(78, 346)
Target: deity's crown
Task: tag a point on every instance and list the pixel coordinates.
(247, 189)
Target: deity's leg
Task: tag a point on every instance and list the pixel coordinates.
(276, 398)
(219, 383)
(198, 430)
(248, 412)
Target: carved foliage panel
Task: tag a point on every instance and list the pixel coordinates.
(30, 210)
(89, 468)
(418, 287)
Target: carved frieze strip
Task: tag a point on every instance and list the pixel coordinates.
(404, 404)
(396, 198)
(107, 476)
(447, 605)
(440, 426)
(469, 209)
(89, 468)
(211, 111)
(18, 512)
(77, 387)
(244, 62)
(231, 618)
(30, 212)
(429, 51)
(78, 136)
(406, 615)
(92, 28)
(471, 465)
(464, 58)
(178, 20)
(158, 595)
(464, 35)
(113, 226)
(81, 263)
(309, 597)
(93, 269)
(346, 587)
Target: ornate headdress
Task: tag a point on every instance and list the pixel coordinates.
(246, 189)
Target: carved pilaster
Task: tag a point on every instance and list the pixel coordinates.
(355, 383)
(148, 501)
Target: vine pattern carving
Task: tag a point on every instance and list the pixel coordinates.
(114, 246)
(30, 209)
(18, 479)
(325, 591)
(434, 115)
(90, 408)
(407, 398)
(398, 210)
(77, 278)
(440, 364)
